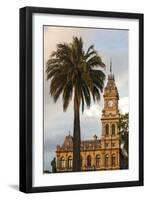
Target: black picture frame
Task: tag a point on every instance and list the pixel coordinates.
(26, 73)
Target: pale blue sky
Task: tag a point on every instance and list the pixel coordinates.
(109, 44)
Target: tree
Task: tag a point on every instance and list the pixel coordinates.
(124, 135)
(75, 74)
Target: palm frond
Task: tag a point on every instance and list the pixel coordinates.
(89, 49)
(67, 95)
(86, 94)
(95, 61)
(72, 70)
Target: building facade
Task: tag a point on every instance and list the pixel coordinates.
(97, 154)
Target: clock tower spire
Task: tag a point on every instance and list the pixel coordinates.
(110, 66)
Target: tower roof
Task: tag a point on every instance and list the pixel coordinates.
(110, 65)
(111, 75)
(111, 89)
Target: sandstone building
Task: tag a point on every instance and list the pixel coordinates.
(97, 154)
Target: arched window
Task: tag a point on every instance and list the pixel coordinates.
(98, 161)
(69, 162)
(106, 160)
(113, 160)
(113, 129)
(62, 162)
(88, 161)
(107, 129)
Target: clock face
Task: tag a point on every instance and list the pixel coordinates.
(110, 103)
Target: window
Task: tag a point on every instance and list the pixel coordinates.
(98, 160)
(106, 160)
(69, 162)
(113, 129)
(107, 144)
(107, 129)
(62, 162)
(88, 161)
(113, 144)
(113, 160)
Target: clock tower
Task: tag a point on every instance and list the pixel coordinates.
(110, 119)
(110, 112)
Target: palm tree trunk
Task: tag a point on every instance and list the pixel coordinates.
(76, 136)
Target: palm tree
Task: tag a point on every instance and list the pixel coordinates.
(75, 74)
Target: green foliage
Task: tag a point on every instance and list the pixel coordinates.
(124, 135)
(75, 72)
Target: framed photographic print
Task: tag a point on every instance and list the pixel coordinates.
(81, 99)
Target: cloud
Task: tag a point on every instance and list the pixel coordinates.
(93, 112)
(124, 105)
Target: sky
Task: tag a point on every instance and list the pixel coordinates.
(110, 44)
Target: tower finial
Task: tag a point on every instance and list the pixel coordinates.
(111, 76)
(110, 65)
